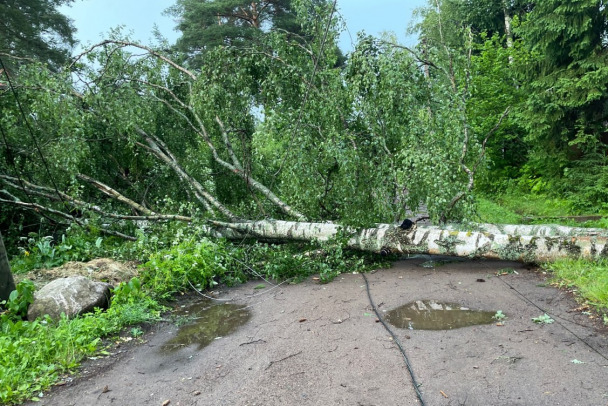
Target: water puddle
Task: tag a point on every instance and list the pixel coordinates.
(205, 322)
(433, 315)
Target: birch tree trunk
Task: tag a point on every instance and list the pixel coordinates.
(508, 32)
(429, 240)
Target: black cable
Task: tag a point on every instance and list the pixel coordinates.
(557, 321)
(415, 384)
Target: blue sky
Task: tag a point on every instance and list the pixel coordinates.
(94, 18)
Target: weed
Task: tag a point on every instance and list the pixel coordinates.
(20, 299)
(34, 354)
(544, 319)
(499, 316)
(136, 332)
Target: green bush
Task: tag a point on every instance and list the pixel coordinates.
(196, 262)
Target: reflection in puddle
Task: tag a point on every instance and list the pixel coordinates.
(208, 322)
(433, 315)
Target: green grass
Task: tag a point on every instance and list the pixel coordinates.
(513, 208)
(589, 280)
(492, 212)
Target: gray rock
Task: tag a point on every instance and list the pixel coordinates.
(73, 296)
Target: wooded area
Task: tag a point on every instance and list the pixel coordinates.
(257, 114)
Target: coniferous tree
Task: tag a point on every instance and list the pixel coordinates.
(206, 24)
(567, 87)
(35, 29)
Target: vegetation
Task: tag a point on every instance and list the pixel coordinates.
(141, 152)
(588, 280)
(36, 354)
(35, 31)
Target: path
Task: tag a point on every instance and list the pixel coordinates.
(312, 344)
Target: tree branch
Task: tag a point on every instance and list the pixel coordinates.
(116, 195)
(136, 45)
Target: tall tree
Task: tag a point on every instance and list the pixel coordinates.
(205, 24)
(567, 85)
(35, 29)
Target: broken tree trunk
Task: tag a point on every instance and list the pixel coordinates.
(429, 240)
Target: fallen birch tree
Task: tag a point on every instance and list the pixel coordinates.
(170, 145)
(388, 238)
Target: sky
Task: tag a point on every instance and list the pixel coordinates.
(93, 19)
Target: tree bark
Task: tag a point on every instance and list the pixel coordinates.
(7, 284)
(508, 32)
(390, 238)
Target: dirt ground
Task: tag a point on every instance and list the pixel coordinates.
(312, 344)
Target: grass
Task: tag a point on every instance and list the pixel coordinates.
(492, 212)
(588, 279)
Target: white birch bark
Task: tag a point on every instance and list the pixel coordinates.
(429, 240)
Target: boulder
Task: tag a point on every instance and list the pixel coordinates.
(73, 296)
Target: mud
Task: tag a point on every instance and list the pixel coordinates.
(312, 344)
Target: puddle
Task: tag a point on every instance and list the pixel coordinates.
(207, 321)
(433, 315)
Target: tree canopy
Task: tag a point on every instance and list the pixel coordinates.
(234, 23)
(35, 30)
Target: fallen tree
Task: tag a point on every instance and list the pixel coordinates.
(171, 150)
(388, 238)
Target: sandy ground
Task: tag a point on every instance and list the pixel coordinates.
(312, 344)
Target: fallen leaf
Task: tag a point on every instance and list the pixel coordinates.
(302, 320)
(166, 402)
(196, 393)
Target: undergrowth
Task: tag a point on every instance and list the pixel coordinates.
(34, 355)
(203, 263)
